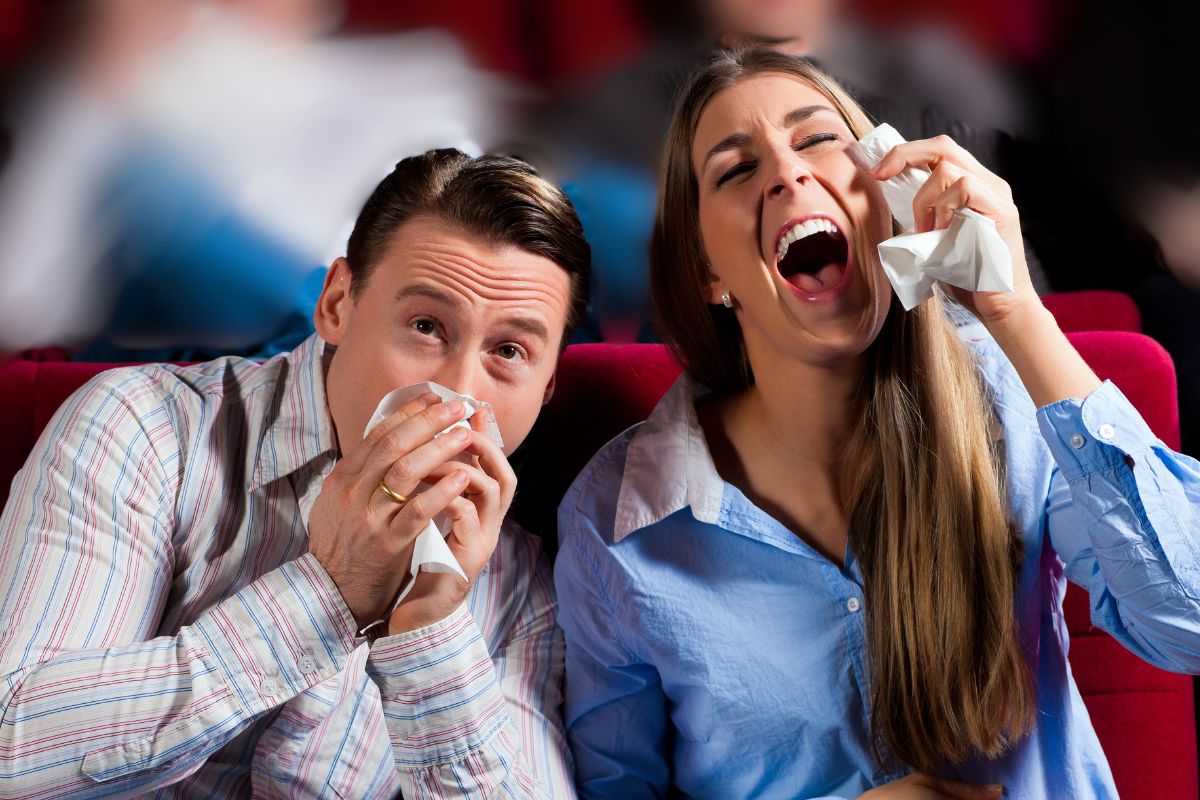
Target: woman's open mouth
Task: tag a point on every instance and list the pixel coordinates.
(813, 256)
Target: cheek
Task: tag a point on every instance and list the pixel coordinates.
(516, 416)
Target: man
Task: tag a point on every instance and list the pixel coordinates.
(192, 558)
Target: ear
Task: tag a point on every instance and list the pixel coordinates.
(716, 287)
(335, 305)
(550, 388)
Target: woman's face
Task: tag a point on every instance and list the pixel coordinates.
(789, 219)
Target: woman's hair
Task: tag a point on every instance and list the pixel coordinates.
(499, 199)
(923, 487)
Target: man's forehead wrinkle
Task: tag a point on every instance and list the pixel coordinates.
(481, 277)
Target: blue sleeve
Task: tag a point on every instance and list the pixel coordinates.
(1124, 516)
(616, 712)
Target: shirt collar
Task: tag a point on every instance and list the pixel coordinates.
(668, 466)
(298, 428)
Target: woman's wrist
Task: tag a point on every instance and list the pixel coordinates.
(1046, 361)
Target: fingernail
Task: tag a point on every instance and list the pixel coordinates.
(995, 788)
(454, 409)
(428, 399)
(460, 477)
(459, 436)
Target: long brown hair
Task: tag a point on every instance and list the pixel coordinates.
(923, 486)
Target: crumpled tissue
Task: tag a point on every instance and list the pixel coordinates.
(969, 253)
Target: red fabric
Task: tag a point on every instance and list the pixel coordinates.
(495, 31)
(1094, 310)
(1143, 716)
(583, 38)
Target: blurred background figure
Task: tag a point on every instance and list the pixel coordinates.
(181, 170)
(1123, 129)
(607, 131)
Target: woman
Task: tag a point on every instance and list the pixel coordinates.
(831, 562)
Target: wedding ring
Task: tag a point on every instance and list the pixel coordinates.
(396, 498)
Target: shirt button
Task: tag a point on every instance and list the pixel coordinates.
(270, 686)
(271, 762)
(308, 664)
(1077, 441)
(1107, 432)
(853, 605)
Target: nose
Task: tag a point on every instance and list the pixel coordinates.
(463, 373)
(790, 174)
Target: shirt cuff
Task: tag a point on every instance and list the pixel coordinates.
(441, 699)
(280, 635)
(1094, 434)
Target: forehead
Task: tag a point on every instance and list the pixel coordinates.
(470, 268)
(755, 101)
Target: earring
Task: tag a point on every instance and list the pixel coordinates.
(727, 299)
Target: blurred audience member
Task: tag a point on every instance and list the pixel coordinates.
(178, 176)
(1130, 140)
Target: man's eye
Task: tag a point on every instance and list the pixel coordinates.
(425, 327)
(733, 172)
(509, 352)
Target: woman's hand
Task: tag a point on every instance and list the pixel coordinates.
(920, 786)
(958, 181)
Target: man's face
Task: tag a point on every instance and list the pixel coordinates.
(443, 306)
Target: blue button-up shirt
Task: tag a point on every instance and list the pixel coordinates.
(711, 651)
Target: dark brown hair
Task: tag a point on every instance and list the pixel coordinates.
(923, 486)
(502, 200)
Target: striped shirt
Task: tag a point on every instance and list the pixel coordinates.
(165, 633)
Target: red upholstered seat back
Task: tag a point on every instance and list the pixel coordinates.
(1094, 310)
(1144, 716)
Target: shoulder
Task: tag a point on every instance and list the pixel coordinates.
(590, 504)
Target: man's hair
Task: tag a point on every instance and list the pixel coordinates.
(498, 199)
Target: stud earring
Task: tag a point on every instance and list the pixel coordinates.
(727, 299)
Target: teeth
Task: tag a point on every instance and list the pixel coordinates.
(803, 229)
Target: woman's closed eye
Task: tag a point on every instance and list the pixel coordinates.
(733, 172)
(745, 167)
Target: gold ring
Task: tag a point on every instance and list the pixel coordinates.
(397, 498)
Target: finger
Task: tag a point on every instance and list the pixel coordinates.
(925, 200)
(406, 411)
(496, 465)
(471, 542)
(418, 512)
(408, 471)
(484, 491)
(406, 437)
(966, 791)
(956, 196)
(357, 455)
(924, 153)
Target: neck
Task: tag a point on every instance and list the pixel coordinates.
(802, 412)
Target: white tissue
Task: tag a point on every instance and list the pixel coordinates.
(430, 552)
(969, 253)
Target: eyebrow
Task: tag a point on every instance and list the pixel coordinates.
(428, 292)
(790, 120)
(527, 325)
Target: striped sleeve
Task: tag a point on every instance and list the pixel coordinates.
(464, 723)
(92, 702)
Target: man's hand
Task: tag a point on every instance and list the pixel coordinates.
(475, 529)
(363, 538)
(920, 786)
